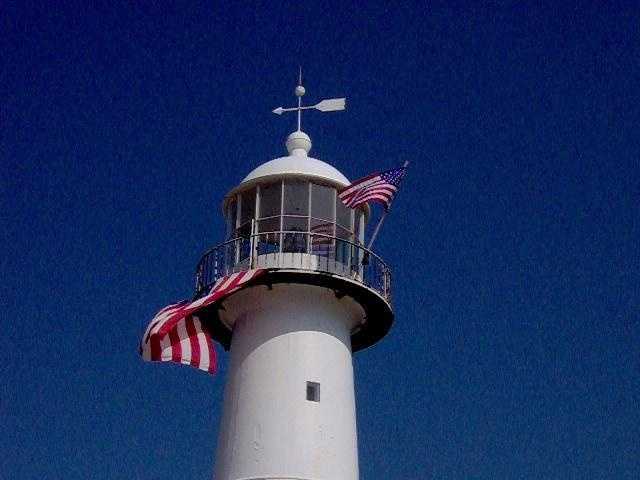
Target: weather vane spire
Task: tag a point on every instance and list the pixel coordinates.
(327, 105)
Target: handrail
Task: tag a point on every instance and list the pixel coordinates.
(290, 249)
(357, 245)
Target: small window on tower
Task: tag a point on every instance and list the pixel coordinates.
(313, 391)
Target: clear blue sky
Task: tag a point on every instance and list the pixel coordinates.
(514, 241)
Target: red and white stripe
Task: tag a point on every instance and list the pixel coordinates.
(176, 334)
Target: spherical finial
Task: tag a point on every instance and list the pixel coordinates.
(300, 91)
(298, 143)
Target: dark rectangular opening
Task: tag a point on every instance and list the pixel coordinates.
(313, 391)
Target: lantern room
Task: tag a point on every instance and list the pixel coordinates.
(295, 196)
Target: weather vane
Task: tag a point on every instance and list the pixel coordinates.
(327, 105)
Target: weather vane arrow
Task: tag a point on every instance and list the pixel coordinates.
(326, 105)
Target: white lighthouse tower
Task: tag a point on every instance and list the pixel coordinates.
(289, 405)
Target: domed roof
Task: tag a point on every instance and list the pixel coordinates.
(298, 165)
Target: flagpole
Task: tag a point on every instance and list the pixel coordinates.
(381, 221)
(375, 232)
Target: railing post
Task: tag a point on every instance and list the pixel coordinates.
(237, 246)
(252, 244)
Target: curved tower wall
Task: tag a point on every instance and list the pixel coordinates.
(283, 338)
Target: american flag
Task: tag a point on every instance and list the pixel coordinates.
(176, 334)
(378, 187)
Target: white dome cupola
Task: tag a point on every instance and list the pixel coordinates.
(296, 163)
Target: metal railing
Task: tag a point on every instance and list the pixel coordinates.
(298, 251)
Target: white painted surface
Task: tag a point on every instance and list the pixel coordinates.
(331, 105)
(303, 261)
(297, 165)
(298, 143)
(283, 338)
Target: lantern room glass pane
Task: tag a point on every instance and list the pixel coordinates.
(294, 242)
(248, 206)
(244, 230)
(320, 227)
(231, 217)
(294, 224)
(343, 214)
(343, 233)
(296, 198)
(270, 194)
(269, 225)
(322, 202)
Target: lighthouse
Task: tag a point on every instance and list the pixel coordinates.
(289, 404)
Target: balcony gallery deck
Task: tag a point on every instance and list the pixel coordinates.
(307, 257)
